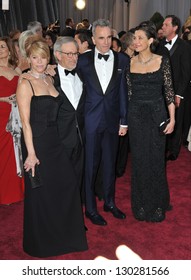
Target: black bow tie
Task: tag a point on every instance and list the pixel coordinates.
(105, 56)
(168, 42)
(70, 72)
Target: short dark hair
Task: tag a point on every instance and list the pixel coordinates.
(85, 19)
(117, 41)
(68, 20)
(121, 33)
(52, 35)
(175, 22)
(85, 35)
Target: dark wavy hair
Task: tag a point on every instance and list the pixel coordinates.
(52, 35)
(85, 35)
(175, 22)
(13, 58)
(150, 30)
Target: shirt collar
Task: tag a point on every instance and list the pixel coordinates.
(174, 39)
(110, 53)
(61, 69)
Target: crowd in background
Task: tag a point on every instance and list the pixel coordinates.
(111, 148)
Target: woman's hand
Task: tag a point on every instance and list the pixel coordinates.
(11, 98)
(170, 127)
(30, 163)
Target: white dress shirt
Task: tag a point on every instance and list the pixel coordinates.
(104, 69)
(71, 86)
(169, 46)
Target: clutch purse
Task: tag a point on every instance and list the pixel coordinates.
(163, 125)
(36, 181)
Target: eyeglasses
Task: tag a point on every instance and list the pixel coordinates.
(70, 54)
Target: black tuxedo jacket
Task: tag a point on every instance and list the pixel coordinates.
(70, 120)
(110, 106)
(180, 58)
(68, 32)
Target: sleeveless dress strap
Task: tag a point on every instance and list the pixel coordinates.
(31, 87)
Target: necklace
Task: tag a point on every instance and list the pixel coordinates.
(145, 62)
(39, 76)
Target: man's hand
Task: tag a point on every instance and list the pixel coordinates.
(50, 70)
(177, 101)
(122, 130)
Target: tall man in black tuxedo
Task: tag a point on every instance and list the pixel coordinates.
(103, 73)
(71, 113)
(180, 58)
(69, 29)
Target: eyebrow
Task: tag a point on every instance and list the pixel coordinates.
(101, 37)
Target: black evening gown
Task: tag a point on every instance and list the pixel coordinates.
(149, 95)
(53, 218)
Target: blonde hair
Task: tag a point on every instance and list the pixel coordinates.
(187, 22)
(35, 44)
(80, 25)
(189, 36)
(22, 39)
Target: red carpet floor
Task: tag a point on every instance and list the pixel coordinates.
(169, 240)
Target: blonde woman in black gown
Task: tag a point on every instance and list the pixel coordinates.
(53, 220)
(151, 102)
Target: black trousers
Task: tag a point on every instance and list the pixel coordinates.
(76, 155)
(122, 155)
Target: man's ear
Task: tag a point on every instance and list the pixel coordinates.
(57, 54)
(93, 40)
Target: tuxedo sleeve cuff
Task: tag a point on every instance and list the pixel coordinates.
(181, 97)
(122, 125)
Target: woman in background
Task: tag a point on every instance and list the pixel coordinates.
(50, 38)
(11, 185)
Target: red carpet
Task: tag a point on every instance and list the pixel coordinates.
(169, 240)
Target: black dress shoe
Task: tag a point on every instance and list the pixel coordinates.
(115, 211)
(96, 219)
(171, 157)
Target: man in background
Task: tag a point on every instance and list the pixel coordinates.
(69, 28)
(180, 57)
